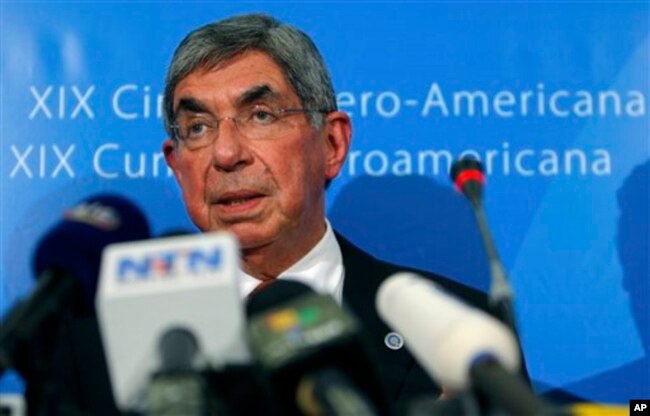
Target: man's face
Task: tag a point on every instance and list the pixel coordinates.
(265, 190)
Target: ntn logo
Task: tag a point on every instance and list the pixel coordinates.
(169, 263)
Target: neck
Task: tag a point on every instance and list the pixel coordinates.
(269, 261)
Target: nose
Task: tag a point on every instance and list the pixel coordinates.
(229, 150)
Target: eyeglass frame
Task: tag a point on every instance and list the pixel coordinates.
(279, 113)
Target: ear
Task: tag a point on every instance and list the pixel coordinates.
(339, 134)
(171, 155)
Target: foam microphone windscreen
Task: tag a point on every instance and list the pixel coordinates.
(274, 294)
(295, 334)
(444, 334)
(75, 244)
(468, 177)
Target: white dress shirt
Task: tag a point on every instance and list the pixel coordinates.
(321, 269)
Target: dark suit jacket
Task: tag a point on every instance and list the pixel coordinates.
(79, 371)
(404, 377)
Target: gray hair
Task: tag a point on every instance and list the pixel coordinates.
(292, 50)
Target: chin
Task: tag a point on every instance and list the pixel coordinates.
(250, 236)
(252, 243)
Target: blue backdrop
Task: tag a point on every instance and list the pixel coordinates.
(552, 97)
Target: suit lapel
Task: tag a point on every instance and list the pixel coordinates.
(363, 276)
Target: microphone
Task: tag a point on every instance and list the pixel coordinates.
(170, 308)
(177, 388)
(66, 263)
(468, 178)
(311, 353)
(459, 346)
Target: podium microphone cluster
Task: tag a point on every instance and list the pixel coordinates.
(469, 179)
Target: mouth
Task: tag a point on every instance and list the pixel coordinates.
(238, 198)
(232, 205)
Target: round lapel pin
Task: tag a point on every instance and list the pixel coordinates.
(394, 341)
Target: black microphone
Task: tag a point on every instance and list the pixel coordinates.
(178, 347)
(467, 176)
(66, 263)
(312, 353)
(177, 388)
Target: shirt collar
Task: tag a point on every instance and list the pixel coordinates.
(321, 269)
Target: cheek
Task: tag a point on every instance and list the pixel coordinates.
(303, 172)
(191, 179)
(315, 164)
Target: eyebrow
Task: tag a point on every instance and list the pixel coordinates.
(249, 96)
(256, 93)
(191, 105)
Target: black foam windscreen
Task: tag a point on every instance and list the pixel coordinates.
(461, 165)
(75, 244)
(296, 334)
(275, 294)
(468, 177)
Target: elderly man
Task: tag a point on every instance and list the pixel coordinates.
(255, 137)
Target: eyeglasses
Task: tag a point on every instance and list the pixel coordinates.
(257, 122)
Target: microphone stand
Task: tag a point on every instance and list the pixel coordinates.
(500, 295)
